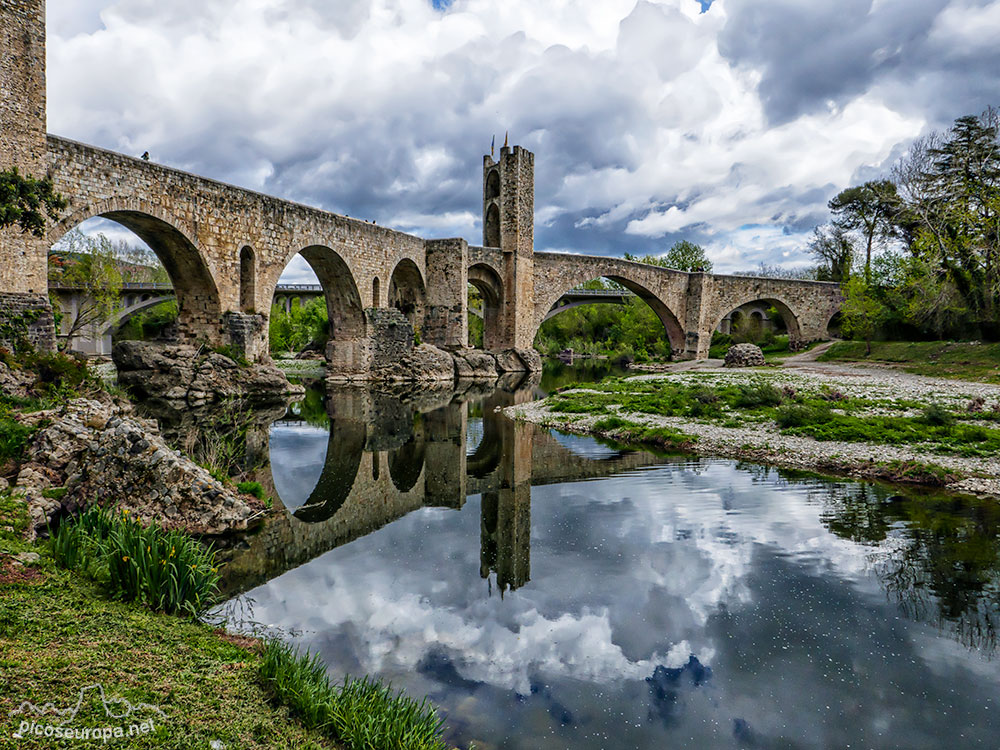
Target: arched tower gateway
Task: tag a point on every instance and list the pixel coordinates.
(24, 300)
(509, 224)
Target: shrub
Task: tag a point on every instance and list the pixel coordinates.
(361, 713)
(610, 423)
(14, 437)
(794, 415)
(937, 415)
(252, 488)
(757, 394)
(833, 394)
(976, 405)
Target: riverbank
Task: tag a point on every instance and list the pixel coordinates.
(60, 633)
(861, 422)
(963, 360)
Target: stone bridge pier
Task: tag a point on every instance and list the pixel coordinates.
(225, 248)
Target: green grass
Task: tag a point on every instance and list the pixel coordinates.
(822, 413)
(943, 359)
(362, 713)
(61, 632)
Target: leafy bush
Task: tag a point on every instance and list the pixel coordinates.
(364, 714)
(794, 415)
(252, 488)
(610, 423)
(14, 437)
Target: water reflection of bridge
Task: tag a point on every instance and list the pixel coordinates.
(390, 454)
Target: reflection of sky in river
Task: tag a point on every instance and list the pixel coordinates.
(794, 642)
(302, 449)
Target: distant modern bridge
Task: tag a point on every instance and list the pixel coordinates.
(225, 249)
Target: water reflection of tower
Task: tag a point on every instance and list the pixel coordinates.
(505, 516)
(505, 537)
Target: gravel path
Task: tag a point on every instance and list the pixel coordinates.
(763, 443)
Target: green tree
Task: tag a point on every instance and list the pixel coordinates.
(27, 202)
(868, 209)
(832, 247)
(682, 256)
(862, 312)
(91, 266)
(307, 325)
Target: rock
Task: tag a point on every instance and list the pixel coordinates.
(519, 360)
(94, 450)
(28, 558)
(15, 382)
(424, 363)
(475, 364)
(744, 355)
(183, 375)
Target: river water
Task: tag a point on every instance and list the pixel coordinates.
(549, 591)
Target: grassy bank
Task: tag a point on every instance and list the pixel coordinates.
(978, 362)
(874, 427)
(60, 633)
(63, 630)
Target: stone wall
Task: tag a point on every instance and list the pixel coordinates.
(28, 316)
(23, 258)
(391, 336)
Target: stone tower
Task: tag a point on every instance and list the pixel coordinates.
(509, 224)
(23, 258)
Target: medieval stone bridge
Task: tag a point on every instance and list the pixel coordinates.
(225, 247)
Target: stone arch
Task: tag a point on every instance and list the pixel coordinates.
(347, 349)
(490, 286)
(198, 302)
(406, 463)
(493, 184)
(375, 291)
(340, 470)
(248, 280)
(407, 292)
(491, 226)
(671, 324)
(790, 319)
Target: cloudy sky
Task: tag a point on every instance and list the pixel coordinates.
(730, 123)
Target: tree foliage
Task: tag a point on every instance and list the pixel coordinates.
(682, 256)
(90, 264)
(941, 208)
(307, 325)
(27, 202)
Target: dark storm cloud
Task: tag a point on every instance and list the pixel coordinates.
(813, 56)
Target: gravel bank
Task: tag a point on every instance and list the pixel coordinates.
(763, 443)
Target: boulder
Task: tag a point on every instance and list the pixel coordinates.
(97, 450)
(423, 363)
(744, 355)
(475, 364)
(183, 375)
(519, 360)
